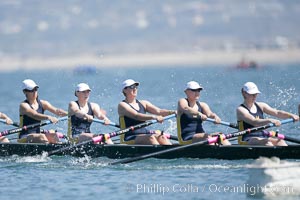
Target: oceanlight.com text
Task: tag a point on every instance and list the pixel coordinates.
(252, 190)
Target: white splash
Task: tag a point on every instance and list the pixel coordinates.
(33, 159)
(272, 177)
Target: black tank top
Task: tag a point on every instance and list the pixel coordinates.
(258, 115)
(131, 122)
(79, 125)
(191, 125)
(25, 120)
(244, 125)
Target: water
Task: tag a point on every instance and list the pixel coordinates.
(86, 178)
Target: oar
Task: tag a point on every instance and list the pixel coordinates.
(100, 137)
(16, 124)
(208, 141)
(232, 125)
(102, 122)
(281, 136)
(31, 126)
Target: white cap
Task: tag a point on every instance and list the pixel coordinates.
(193, 85)
(82, 87)
(29, 84)
(129, 82)
(250, 88)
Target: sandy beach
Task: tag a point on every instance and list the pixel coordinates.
(168, 59)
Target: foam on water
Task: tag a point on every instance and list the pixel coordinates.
(27, 159)
(272, 177)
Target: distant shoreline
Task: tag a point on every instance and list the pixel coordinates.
(168, 59)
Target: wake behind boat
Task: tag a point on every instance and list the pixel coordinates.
(117, 151)
(274, 177)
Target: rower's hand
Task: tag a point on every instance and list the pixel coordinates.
(160, 118)
(202, 116)
(276, 122)
(106, 121)
(54, 120)
(8, 121)
(217, 120)
(89, 118)
(295, 117)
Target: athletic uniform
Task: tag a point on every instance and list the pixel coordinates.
(78, 125)
(25, 120)
(188, 126)
(125, 122)
(243, 125)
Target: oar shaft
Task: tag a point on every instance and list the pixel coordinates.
(290, 139)
(99, 138)
(281, 136)
(251, 130)
(142, 157)
(31, 126)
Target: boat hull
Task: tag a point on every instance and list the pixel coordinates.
(116, 151)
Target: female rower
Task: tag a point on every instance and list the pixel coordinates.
(82, 113)
(190, 115)
(251, 114)
(32, 111)
(133, 111)
(8, 121)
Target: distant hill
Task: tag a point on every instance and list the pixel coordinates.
(47, 28)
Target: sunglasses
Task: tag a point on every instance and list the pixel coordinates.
(85, 91)
(132, 87)
(195, 90)
(33, 90)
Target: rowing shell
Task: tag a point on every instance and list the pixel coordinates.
(115, 151)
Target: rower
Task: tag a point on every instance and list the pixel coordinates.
(251, 114)
(8, 121)
(32, 111)
(81, 115)
(191, 114)
(133, 111)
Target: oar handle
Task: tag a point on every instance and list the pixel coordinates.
(103, 122)
(165, 118)
(16, 124)
(232, 125)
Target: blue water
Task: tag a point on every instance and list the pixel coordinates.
(86, 178)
